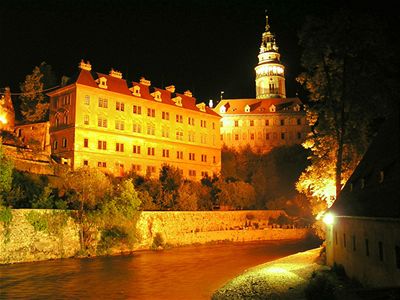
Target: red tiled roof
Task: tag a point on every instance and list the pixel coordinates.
(257, 106)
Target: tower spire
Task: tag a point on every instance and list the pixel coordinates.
(270, 73)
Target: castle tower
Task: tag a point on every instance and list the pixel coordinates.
(270, 73)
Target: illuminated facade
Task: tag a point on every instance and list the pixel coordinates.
(7, 115)
(100, 121)
(270, 120)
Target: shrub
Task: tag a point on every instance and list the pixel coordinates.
(158, 241)
(320, 287)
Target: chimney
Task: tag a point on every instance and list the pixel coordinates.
(144, 81)
(170, 88)
(115, 73)
(85, 66)
(188, 93)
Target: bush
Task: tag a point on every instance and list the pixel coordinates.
(320, 287)
(158, 241)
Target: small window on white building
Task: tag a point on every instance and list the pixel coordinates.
(247, 108)
(102, 82)
(272, 108)
(136, 91)
(222, 109)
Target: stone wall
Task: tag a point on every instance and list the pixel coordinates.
(29, 238)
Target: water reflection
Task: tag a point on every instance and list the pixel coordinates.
(181, 273)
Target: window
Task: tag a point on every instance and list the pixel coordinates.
(102, 122)
(299, 135)
(179, 154)
(282, 135)
(203, 123)
(136, 149)
(191, 136)
(298, 121)
(103, 102)
(102, 145)
(203, 138)
(119, 147)
(137, 128)
(137, 110)
(251, 122)
(213, 125)
(150, 151)
(204, 174)
(66, 100)
(165, 153)
(282, 122)
(102, 164)
(204, 158)
(136, 168)
(165, 132)
(151, 129)
(266, 122)
(252, 136)
(150, 170)
(236, 137)
(380, 248)
(85, 162)
(236, 123)
(192, 156)
(151, 112)
(191, 121)
(86, 119)
(267, 136)
(65, 119)
(64, 142)
(179, 118)
(119, 125)
(179, 135)
(55, 144)
(192, 173)
(120, 106)
(366, 247)
(221, 124)
(86, 101)
(165, 115)
(86, 143)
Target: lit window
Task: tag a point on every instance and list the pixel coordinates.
(86, 119)
(179, 135)
(119, 125)
(119, 147)
(137, 128)
(87, 100)
(151, 129)
(102, 122)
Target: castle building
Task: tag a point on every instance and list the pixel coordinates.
(7, 114)
(270, 120)
(98, 120)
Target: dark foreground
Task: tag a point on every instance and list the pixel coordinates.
(180, 273)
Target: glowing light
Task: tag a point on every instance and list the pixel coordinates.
(328, 219)
(3, 119)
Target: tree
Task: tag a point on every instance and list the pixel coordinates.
(237, 194)
(188, 196)
(343, 55)
(6, 168)
(89, 186)
(34, 102)
(170, 179)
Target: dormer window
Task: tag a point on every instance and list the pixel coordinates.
(157, 96)
(102, 82)
(222, 109)
(177, 100)
(136, 91)
(247, 108)
(296, 107)
(201, 106)
(272, 108)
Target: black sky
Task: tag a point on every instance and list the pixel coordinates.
(204, 46)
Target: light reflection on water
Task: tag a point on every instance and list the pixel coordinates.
(180, 273)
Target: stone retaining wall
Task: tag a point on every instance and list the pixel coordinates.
(27, 239)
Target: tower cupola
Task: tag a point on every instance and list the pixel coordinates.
(270, 73)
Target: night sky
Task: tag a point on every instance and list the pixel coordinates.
(204, 46)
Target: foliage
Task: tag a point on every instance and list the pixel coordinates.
(88, 186)
(237, 194)
(6, 168)
(188, 196)
(158, 241)
(44, 199)
(34, 102)
(38, 221)
(51, 222)
(171, 179)
(6, 217)
(343, 55)
(320, 287)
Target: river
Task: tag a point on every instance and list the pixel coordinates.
(181, 273)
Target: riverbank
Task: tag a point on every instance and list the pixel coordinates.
(285, 278)
(35, 234)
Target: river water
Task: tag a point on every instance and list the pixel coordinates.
(181, 273)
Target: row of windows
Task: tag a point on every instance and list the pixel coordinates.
(282, 122)
(268, 136)
(365, 244)
(138, 168)
(136, 149)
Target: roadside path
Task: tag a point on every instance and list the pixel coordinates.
(284, 278)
